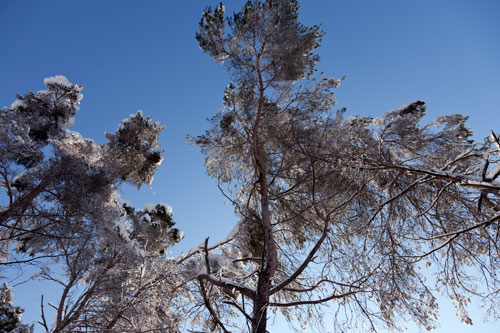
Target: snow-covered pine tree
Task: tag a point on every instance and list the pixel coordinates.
(334, 211)
(10, 315)
(64, 208)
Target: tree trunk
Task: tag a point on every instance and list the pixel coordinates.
(268, 269)
(259, 316)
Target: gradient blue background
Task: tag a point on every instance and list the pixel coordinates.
(133, 55)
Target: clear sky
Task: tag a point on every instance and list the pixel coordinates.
(133, 55)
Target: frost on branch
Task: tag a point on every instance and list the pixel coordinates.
(63, 206)
(35, 118)
(48, 112)
(287, 45)
(134, 148)
(10, 315)
(153, 227)
(58, 80)
(332, 210)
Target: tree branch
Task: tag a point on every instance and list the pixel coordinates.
(311, 254)
(318, 301)
(209, 306)
(227, 284)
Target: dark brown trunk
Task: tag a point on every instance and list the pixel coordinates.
(268, 269)
(269, 263)
(259, 316)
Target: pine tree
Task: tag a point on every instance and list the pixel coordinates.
(64, 208)
(333, 210)
(10, 315)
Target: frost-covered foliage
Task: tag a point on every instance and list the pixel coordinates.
(152, 227)
(135, 297)
(281, 42)
(10, 315)
(63, 205)
(133, 148)
(344, 211)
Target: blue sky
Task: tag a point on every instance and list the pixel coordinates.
(133, 55)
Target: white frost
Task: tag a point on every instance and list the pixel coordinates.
(166, 206)
(132, 115)
(17, 103)
(149, 207)
(19, 139)
(180, 233)
(125, 203)
(59, 80)
(493, 174)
